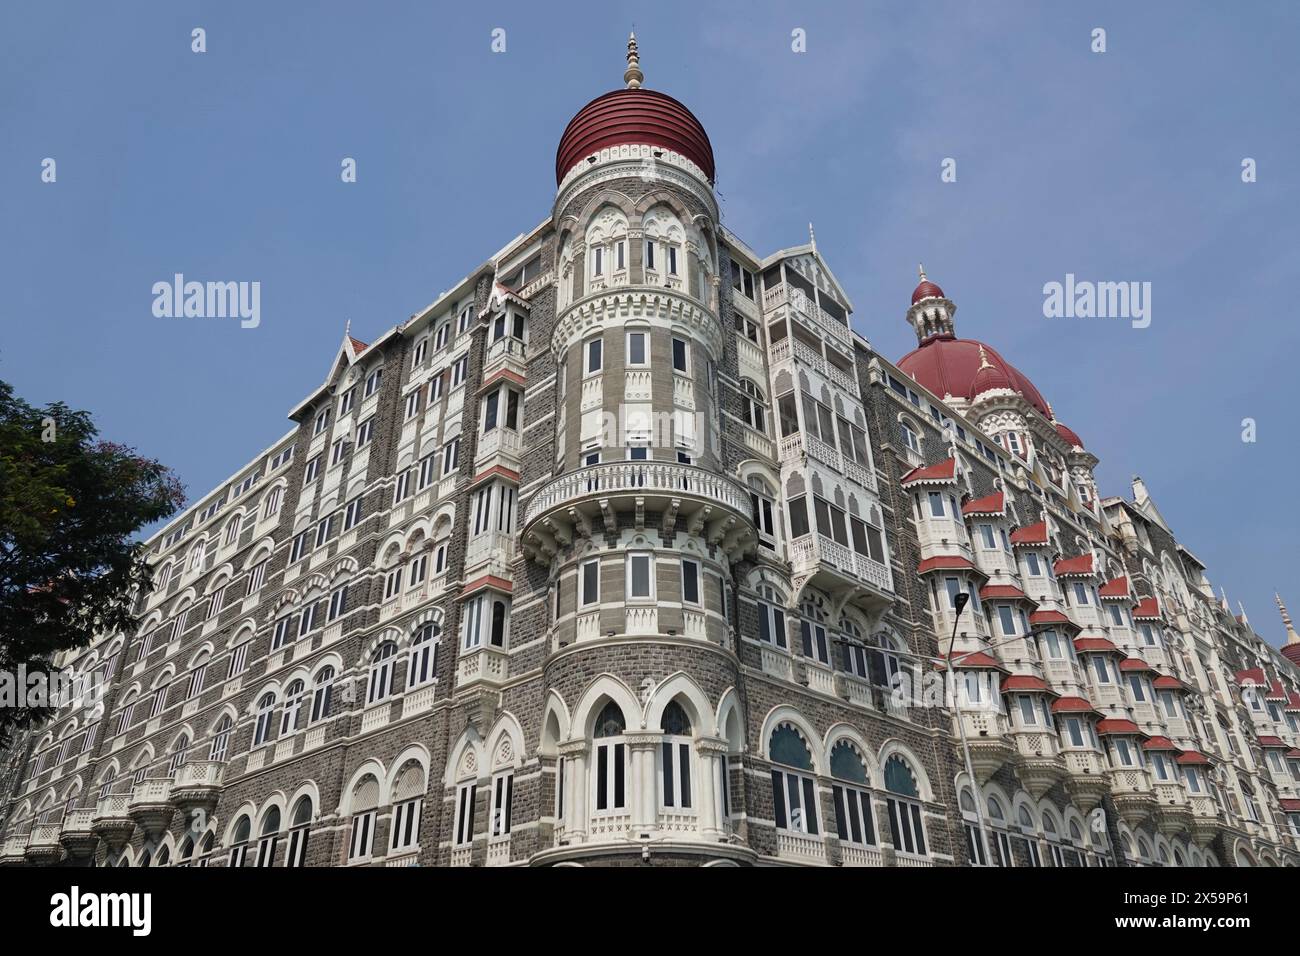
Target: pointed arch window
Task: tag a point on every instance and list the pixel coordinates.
(675, 758)
(610, 761)
(794, 796)
(904, 805)
(854, 822)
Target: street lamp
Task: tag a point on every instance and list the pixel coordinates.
(960, 600)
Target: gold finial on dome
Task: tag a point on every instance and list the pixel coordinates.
(633, 76)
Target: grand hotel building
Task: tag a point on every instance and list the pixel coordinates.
(612, 555)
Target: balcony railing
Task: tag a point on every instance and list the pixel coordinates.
(808, 551)
(638, 478)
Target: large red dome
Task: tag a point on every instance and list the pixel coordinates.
(949, 366)
(633, 116)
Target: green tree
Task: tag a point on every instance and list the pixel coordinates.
(71, 509)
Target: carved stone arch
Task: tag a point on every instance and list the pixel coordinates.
(246, 809)
(163, 677)
(784, 714)
(729, 721)
(895, 747)
(219, 578)
(783, 383)
(288, 598)
(276, 801)
(343, 569)
(370, 768)
(601, 687)
(662, 197)
(302, 522)
(681, 687)
(843, 731)
(602, 198)
(259, 552)
(368, 649)
(555, 724)
(505, 743)
(467, 759)
(1023, 801)
(244, 630)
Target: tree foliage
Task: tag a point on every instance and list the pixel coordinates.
(71, 508)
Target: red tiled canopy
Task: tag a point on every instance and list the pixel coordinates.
(1135, 665)
(993, 504)
(1148, 608)
(1073, 705)
(1030, 534)
(1080, 564)
(1193, 757)
(1268, 741)
(946, 562)
(1004, 591)
(1160, 743)
(1095, 645)
(1165, 682)
(944, 471)
(1026, 682)
(1049, 619)
(1113, 726)
(1115, 588)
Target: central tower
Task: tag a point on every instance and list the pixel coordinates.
(631, 520)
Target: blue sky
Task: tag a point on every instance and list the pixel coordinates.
(1116, 166)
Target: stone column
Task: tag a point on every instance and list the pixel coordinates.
(574, 753)
(644, 805)
(712, 751)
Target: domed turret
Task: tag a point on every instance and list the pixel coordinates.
(634, 116)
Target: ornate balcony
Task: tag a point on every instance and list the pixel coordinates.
(825, 563)
(78, 836)
(1040, 765)
(1131, 790)
(711, 504)
(197, 786)
(14, 850)
(111, 822)
(1087, 780)
(150, 806)
(43, 846)
(1175, 812)
(990, 746)
(1206, 821)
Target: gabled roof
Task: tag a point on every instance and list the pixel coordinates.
(942, 473)
(994, 504)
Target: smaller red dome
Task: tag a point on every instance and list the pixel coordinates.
(926, 290)
(1070, 437)
(988, 378)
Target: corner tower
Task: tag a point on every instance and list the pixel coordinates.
(630, 524)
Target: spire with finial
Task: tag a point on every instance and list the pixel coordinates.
(812, 238)
(633, 76)
(1291, 636)
(984, 356)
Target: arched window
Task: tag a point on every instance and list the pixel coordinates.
(794, 796)
(813, 631)
(381, 672)
(365, 801)
(1001, 838)
(205, 849)
(408, 801)
(320, 695)
(854, 821)
(270, 837)
(675, 758)
(753, 406)
(239, 840)
(911, 435)
(292, 705)
(1028, 840)
(271, 505)
(262, 728)
(301, 829)
(904, 806)
(1052, 833)
(422, 667)
(220, 740)
(970, 823)
(179, 753)
(186, 856)
(610, 761)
